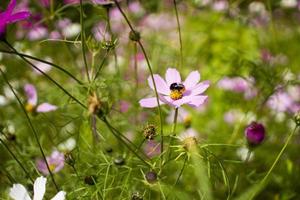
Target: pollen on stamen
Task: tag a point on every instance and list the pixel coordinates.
(29, 107)
(177, 90)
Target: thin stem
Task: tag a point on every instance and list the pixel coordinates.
(125, 143)
(152, 78)
(279, 155)
(31, 127)
(102, 64)
(111, 38)
(83, 42)
(248, 156)
(15, 157)
(179, 32)
(46, 62)
(181, 171)
(262, 182)
(44, 74)
(173, 133)
(136, 75)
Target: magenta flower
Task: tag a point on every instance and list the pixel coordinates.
(8, 17)
(175, 92)
(255, 133)
(32, 100)
(56, 162)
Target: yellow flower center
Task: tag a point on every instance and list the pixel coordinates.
(177, 90)
(175, 95)
(29, 107)
(52, 167)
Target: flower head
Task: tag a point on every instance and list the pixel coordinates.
(175, 92)
(32, 100)
(8, 17)
(19, 192)
(188, 138)
(56, 162)
(255, 133)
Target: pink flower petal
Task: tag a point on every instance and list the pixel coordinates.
(197, 101)
(31, 94)
(45, 107)
(192, 79)
(18, 16)
(11, 6)
(172, 76)
(199, 88)
(149, 102)
(161, 85)
(176, 103)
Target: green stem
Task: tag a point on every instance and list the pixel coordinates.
(83, 42)
(102, 64)
(181, 171)
(279, 155)
(173, 133)
(31, 127)
(44, 74)
(248, 156)
(179, 32)
(263, 181)
(46, 62)
(125, 143)
(152, 78)
(15, 157)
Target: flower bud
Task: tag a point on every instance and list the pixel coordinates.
(90, 180)
(134, 36)
(151, 177)
(255, 133)
(69, 159)
(11, 137)
(150, 132)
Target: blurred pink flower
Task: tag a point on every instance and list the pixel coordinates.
(239, 85)
(56, 163)
(45, 3)
(103, 2)
(32, 100)
(283, 102)
(100, 32)
(152, 148)
(124, 106)
(174, 92)
(42, 66)
(220, 5)
(71, 1)
(8, 17)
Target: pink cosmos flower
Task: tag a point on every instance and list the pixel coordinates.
(56, 162)
(176, 92)
(8, 17)
(32, 100)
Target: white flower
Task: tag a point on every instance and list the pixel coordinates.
(242, 153)
(67, 145)
(18, 191)
(288, 3)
